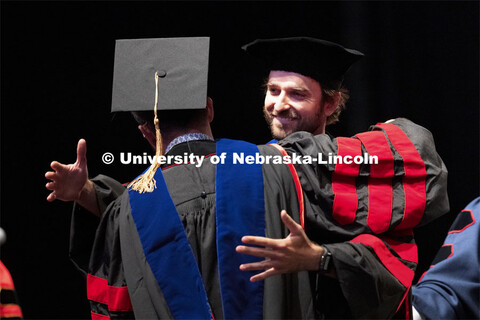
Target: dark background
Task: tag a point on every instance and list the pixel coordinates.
(56, 74)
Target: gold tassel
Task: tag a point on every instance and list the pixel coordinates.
(146, 182)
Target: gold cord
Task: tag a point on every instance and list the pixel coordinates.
(146, 182)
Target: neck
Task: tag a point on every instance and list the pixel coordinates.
(171, 135)
(319, 130)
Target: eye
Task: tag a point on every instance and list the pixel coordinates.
(298, 95)
(274, 91)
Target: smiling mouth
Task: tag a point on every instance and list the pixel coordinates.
(284, 120)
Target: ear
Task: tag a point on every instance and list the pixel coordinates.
(210, 112)
(331, 104)
(148, 134)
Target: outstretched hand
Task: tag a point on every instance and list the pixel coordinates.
(68, 180)
(292, 254)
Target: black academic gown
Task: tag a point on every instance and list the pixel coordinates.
(118, 256)
(366, 287)
(366, 283)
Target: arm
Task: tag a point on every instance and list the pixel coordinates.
(374, 280)
(102, 264)
(372, 288)
(374, 258)
(70, 183)
(292, 254)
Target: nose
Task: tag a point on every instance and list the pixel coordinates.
(281, 103)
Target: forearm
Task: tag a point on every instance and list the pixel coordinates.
(88, 198)
(98, 193)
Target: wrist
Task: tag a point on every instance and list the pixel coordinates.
(315, 257)
(325, 264)
(85, 192)
(88, 198)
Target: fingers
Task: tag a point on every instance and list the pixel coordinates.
(261, 265)
(51, 197)
(289, 222)
(50, 186)
(57, 166)
(258, 252)
(274, 243)
(266, 274)
(82, 152)
(50, 175)
(260, 241)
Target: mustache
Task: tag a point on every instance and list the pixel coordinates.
(289, 114)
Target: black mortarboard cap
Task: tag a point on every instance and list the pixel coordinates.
(182, 67)
(321, 60)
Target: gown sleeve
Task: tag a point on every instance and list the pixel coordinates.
(365, 213)
(117, 275)
(107, 289)
(84, 224)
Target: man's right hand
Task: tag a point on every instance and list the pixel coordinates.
(68, 180)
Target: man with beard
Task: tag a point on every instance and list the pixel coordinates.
(304, 91)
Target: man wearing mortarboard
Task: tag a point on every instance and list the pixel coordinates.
(175, 246)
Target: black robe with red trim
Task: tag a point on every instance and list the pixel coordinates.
(367, 286)
(374, 260)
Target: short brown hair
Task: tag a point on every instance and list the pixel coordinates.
(344, 95)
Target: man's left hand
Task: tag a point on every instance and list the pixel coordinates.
(292, 254)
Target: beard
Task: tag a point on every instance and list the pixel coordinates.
(280, 132)
(296, 122)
